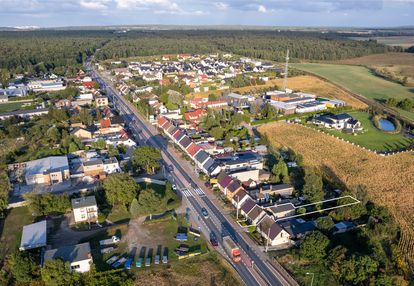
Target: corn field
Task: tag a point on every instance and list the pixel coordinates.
(390, 180)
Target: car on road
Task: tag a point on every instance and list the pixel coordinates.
(170, 168)
(139, 262)
(204, 212)
(174, 187)
(213, 239)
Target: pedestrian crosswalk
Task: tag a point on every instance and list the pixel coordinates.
(199, 192)
(186, 192)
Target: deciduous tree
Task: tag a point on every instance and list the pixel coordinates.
(120, 189)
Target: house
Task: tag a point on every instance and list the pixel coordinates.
(239, 198)
(93, 168)
(233, 188)
(283, 190)
(195, 116)
(297, 228)
(341, 121)
(273, 232)
(85, 209)
(282, 210)
(81, 133)
(34, 235)
(111, 165)
(50, 170)
(101, 101)
(255, 215)
(223, 183)
(247, 206)
(79, 256)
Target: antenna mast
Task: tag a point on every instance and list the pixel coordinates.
(285, 83)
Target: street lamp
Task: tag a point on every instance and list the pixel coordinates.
(313, 276)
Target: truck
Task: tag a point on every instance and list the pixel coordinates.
(232, 249)
(113, 240)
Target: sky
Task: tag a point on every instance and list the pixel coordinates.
(337, 13)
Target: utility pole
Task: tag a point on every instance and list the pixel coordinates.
(285, 83)
(267, 239)
(238, 207)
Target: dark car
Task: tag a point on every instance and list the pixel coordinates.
(213, 239)
(204, 212)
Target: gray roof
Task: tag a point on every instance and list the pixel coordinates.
(180, 137)
(83, 202)
(111, 160)
(185, 141)
(34, 235)
(297, 227)
(71, 253)
(275, 228)
(25, 112)
(208, 164)
(47, 165)
(201, 156)
(93, 162)
(282, 208)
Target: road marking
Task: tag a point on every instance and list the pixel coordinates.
(199, 192)
(186, 193)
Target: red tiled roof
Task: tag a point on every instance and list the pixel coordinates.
(193, 149)
(162, 120)
(105, 123)
(194, 115)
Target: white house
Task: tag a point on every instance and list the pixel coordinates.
(79, 256)
(273, 232)
(111, 165)
(85, 209)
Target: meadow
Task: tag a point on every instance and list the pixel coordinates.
(389, 180)
(371, 138)
(402, 41)
(361, 80)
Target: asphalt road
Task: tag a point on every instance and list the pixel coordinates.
(216, 222)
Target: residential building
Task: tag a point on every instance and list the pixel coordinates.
(111, 165)
(93, 168)
(282, 210)
(79, 256)
(341, 121)
(233, 188)
(297, 228)
(101, 101)
(273, 232)
(255, 215)
(81, 133)
(195, 116)
(24, 113)
(239, 198)
(85, 209)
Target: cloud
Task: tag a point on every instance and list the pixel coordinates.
(221, 6)
(94, 5)
(261, 9)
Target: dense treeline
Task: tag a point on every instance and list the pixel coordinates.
(62, 52)
(269, 45)
(43, 51)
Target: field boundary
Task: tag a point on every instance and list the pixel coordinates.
(363, 98)
(380, 153)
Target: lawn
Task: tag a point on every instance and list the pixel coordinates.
(5, 107)
(12, 228)
(360, 80)
(371, 138)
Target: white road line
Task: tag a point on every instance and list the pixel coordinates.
(186, 193)
(199, 192)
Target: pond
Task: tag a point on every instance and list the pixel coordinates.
(386, 125)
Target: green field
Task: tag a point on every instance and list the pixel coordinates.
(12, 228)
(372, 138)
(360, 80)
(4, 107)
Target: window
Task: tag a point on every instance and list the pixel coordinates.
(83, 216)
(77, 266)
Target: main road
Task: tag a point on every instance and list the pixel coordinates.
(254, 270)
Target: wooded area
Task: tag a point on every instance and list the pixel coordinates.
(64, 51)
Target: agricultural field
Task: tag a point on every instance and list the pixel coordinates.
(305, 83)
(371, 138)
(402, 41)
(362, 81)
(399, 64)
(4, 107)
(389, 180)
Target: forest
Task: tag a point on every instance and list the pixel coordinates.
(61, 52)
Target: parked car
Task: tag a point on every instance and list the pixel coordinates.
(128, 263)
(165, 259)
(204, 212)
(120, 262)
(113, 240)
(107, 250)
(157, 259)
(148, 261)
(112, 259)
(138, 263)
